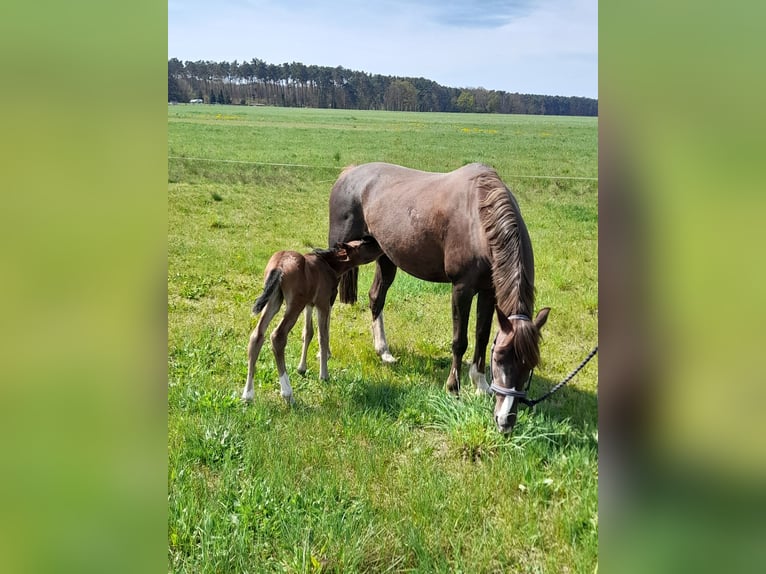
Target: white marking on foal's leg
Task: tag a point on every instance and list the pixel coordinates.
(480, 380)
(287, 390)
(379, 340)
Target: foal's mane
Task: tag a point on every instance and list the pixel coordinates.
(512, 274)
(324, 253)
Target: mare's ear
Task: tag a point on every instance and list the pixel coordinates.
(505, 324)
(542, 317)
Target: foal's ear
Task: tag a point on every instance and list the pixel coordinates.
(343, 251)
(542, 317)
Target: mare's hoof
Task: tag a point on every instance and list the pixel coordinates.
(453, 388)
(388, 358)
(247, 397)
(289, 400)
(301, 372)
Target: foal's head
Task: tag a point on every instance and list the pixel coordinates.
(359, 251)
(350, 254)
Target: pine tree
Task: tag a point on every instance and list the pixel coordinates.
(175, 92)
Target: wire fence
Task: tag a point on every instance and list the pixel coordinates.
(301, 165)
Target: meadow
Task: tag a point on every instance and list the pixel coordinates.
(377, 469)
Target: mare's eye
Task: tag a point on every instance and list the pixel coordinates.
(502, 354)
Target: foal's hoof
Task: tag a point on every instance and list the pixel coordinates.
(453, 387)
(387, 358)
(248, 396)
(301, 372)
(289, 399)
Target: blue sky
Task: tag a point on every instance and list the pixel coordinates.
(538, 47)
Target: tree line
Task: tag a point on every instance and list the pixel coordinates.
(298, 85)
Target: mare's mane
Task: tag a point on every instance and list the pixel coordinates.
(511, 272)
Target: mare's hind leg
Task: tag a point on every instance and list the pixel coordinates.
(278, 344)
(256, 342)
(385, 272)
(461, 311)
(308, 334)
(485, 308)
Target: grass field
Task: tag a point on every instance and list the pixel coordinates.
(377, 469)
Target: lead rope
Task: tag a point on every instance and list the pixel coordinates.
(569, 377)
(522, 395)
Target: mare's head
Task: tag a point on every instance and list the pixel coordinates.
(515, 353)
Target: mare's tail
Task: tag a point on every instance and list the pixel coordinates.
(271, 284)
(347, 285)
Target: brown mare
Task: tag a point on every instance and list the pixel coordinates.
(463, 227)
(304, 282)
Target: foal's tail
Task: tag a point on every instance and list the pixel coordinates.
(271, 285)
(347, 285)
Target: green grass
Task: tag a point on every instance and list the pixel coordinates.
(376, 469)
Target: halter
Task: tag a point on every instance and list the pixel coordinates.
(503, 391)
(522, 395)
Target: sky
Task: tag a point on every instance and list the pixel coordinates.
(545, 47)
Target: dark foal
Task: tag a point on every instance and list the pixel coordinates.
(304, 282)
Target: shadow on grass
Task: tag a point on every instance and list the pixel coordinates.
(380, 396)
(578, 406)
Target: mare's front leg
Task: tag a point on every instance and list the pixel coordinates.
(461, 311)
(485, 310)
(385, 272)
(278, 344)
(308, 334)
(323, 318)
(256, 342)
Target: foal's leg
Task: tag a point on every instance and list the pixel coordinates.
(385, 272)
(308, 334)
(485, 308)
(278, 344)
(323, 319)
(256, 342)
(461, 310)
